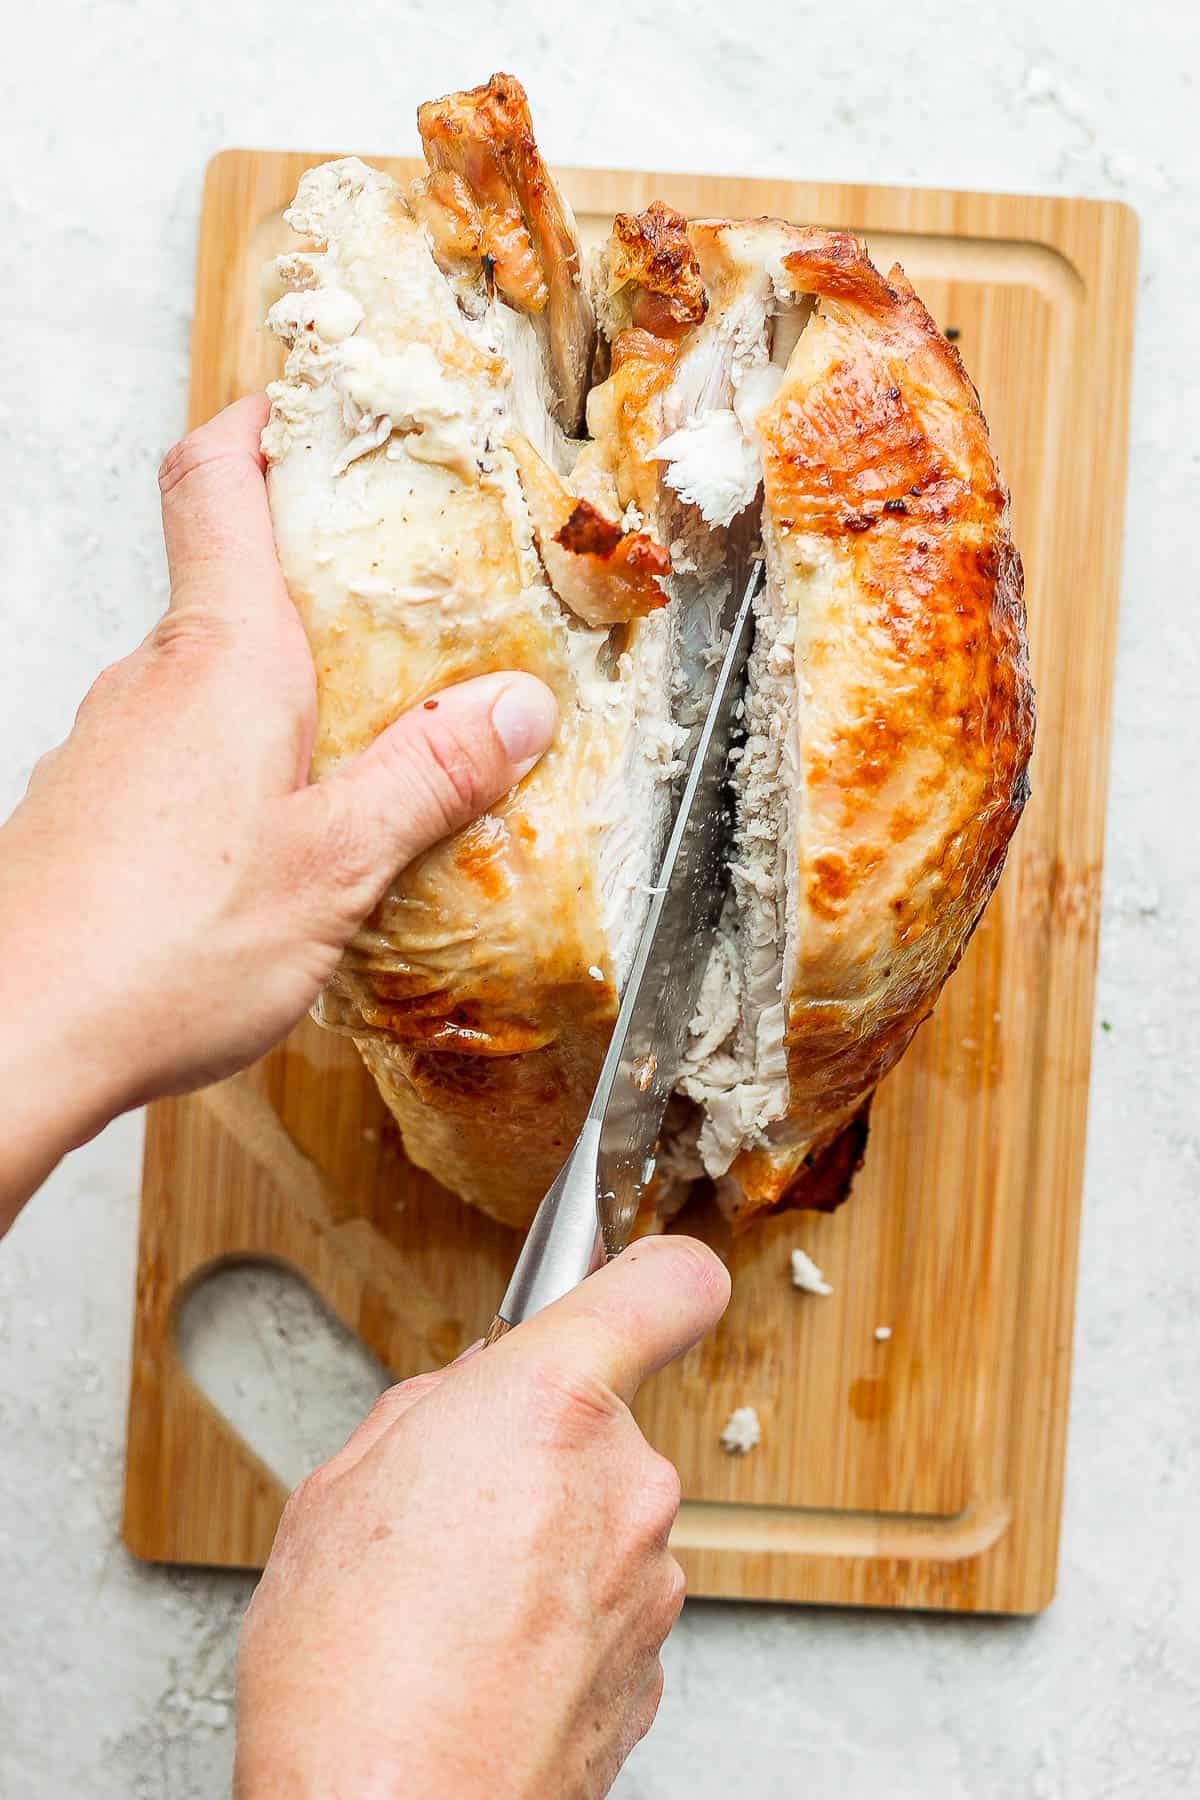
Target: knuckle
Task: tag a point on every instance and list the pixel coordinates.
(676, 1591)
(176, 464)
(395, 1401)
(570, 1405)
(346, 853)
(44, 767)
(186, 458)
(652, 1500)
(103, 691)
(651, 1700)
(188, 633)
(419, 1387)
(428, 799)
(304, 1498)
(335, 850)
(386, 1406)
(313, 1491)
(662, 1488)
(256, 1626)
(457, 777)
(100, 717)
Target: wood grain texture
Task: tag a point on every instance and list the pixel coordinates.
(924, 1470)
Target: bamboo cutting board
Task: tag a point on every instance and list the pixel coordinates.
(924, 1469)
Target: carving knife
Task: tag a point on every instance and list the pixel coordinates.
(588, 1213)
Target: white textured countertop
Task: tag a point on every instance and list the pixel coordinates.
(115, 1679)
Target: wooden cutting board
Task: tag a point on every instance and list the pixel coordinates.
(924, 1469)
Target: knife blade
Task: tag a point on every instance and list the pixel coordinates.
(589, 1210)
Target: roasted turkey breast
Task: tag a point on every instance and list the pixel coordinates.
(889, 710)
(438, 515)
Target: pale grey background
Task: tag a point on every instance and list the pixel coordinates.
(115, 1679)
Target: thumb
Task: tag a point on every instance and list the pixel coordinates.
(429, 774)
(632, 1317)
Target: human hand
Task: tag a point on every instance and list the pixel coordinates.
(469, 1599)
(175, 894)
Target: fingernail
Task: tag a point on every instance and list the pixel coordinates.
(524, 717)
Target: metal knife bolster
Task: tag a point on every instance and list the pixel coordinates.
(565, 1241)
(588, 1212)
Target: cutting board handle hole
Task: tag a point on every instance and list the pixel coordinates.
(275, 1362)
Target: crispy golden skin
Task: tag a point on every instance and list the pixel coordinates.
(652, 254)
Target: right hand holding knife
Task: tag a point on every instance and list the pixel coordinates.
(471, 1596)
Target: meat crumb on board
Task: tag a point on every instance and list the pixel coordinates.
(806, 1275)
(742, 1431)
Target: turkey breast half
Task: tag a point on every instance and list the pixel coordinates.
(889, 711)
